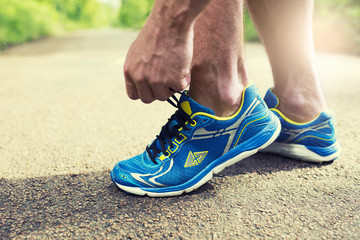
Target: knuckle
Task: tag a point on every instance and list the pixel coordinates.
(155, 81)
(139, 77)
(126, 69)
(185, 82)
(181, 85)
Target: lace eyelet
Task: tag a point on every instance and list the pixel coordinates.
(179, 138)
(193, 124)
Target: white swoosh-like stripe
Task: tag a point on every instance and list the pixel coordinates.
(153, 178)
(296, 132)
(199, 134)
(231, 130)
(138, 176)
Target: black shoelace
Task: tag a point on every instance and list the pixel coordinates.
(166, 134)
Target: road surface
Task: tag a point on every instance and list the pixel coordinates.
(65, 121)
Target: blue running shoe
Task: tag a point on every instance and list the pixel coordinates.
(314, 141)
(195, 144)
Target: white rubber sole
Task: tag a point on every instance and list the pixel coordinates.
(300, 152)
(209, 176)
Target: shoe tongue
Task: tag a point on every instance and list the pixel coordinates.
(191, 107)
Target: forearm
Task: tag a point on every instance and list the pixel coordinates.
(176, 15)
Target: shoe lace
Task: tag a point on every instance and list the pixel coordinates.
(167, 132)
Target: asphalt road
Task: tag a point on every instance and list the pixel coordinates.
(65, 121)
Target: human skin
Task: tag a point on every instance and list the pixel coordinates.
(218, 74)
(285, 27)
(161, 55)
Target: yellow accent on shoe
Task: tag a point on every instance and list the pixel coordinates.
(291, 121)
(183, 138)
(186, 107)
(248, 124)
(163, 156)
(312, 136)
(195, 158)
(285, 117)
(176, 142)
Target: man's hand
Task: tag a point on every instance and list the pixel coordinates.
(161, 55)
(156, 61)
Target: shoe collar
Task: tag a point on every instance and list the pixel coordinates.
(271, 100)
(190, 106)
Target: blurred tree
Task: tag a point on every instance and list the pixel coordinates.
(77, 11)
(133, 14)
(22, 21)
(336, 22)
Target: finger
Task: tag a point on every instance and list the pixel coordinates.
(161, 92)
(182, 84)
(144, 91)
(131, 90)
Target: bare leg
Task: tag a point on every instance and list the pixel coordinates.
(285, 27)
(218, 73)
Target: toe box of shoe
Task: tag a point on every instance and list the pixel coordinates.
(122, 177)
(129, 172)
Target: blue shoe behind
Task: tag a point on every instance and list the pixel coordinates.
(314, 141)
(195, 144)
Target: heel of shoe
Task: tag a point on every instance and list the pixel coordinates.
(303, 153)
(267, 132)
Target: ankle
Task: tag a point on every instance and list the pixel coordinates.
(300, 106)
(223, 97)
(223, 105)
(217, 82)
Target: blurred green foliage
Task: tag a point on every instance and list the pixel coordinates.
(133, 13)
(250, 32)
(24, 20)
(80, 13)
(21, 21)
(333, 19)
